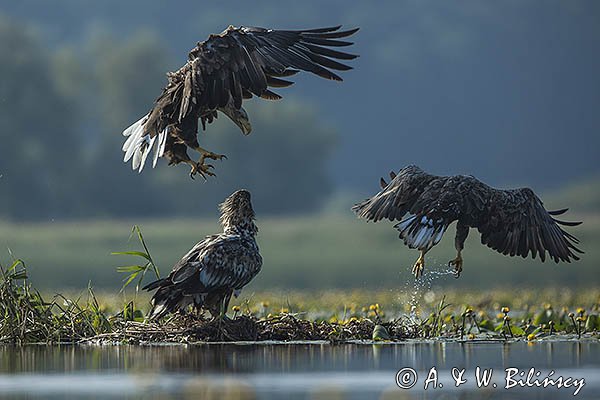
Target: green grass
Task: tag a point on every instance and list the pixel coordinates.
(28, 316)
(305, 252)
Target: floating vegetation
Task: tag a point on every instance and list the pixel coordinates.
(441, 324)
(334, 316)
(29, 318)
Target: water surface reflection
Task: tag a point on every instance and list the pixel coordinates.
(301, 371)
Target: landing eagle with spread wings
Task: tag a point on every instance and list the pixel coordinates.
(512, 222)
(220, 73)
(215, 268)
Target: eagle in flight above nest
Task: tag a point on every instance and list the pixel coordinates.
(512, 222)
(220, 73)
(215, 268)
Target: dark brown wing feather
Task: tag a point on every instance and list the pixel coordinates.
(224, 70)
(513, 222)
(517, 223)
(397, 198)
(430, 202)
(214, 263)
(249, 59)
(413, 191)
(215, 266)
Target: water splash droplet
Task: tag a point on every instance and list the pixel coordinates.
(417, 287)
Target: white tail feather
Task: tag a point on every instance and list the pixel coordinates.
(146, 151)
(421, 234)
(138, 146)
(134, 140)
(160, 147)
(402, 225)
(129, 130)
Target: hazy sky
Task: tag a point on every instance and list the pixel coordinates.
(508, 91)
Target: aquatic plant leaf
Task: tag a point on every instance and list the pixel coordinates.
(487, 324)
(380, 333)
(592, 323)
(132, 253)
(517, 331)
(130, 268)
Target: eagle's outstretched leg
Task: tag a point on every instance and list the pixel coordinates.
(462, 231)
(457, 263)
(199, 168)
(419, 265)
(204, 154)
(202, 168)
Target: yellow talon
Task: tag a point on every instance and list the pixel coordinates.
(419, 265)
(457, 263)
(200, 168)
(204, 154)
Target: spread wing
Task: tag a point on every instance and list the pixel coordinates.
(517, 223)
(430, 204)
(512, 222)
(222, 71)
(402, 195)
(246, 61)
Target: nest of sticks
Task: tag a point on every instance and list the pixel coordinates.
(284, 327)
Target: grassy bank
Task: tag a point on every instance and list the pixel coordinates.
(308, 252)
(30, 316)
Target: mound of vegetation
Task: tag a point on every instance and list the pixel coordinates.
(29, 317)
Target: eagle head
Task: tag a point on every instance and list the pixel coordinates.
(237, 213)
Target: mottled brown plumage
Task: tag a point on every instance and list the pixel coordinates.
(220, 73)
(215, 268)
(513, 222)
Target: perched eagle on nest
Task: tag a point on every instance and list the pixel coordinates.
(512, 222)
(221, 72)
(215, 268)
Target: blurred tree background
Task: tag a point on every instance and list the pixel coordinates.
(63, 112)
(456, 87)
(506, 91)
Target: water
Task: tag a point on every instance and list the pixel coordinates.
(298, 371)
(418, 287)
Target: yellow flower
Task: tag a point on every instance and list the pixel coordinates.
(505, 310)
(236, 308)
(372, 307)
(265, 304)
(580, 310)
(531, 336)
(471, 336)
(285, 310)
